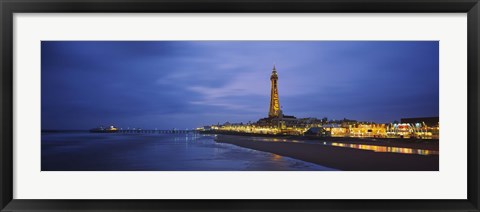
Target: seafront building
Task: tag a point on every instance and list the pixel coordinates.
(277, 123)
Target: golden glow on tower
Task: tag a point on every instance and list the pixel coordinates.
(274, 101)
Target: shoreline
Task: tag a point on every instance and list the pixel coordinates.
(341, 158)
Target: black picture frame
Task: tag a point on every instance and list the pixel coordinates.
(9, 7)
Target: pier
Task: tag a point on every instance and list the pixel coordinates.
(141, 131)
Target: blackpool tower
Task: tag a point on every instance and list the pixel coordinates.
(274, 101)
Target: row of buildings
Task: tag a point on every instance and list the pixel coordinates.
(423, 128)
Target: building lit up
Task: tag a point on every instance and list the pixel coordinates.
(427, 127)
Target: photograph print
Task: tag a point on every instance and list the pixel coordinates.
(240, 106)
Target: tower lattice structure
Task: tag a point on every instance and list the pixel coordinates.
(274, 100)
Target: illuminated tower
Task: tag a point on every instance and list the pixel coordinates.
(274, 101)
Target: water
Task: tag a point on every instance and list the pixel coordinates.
(84, 151)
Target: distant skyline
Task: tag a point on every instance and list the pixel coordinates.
(188, 84)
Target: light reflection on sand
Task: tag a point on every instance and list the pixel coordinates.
(376, 148)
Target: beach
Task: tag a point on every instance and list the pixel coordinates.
(339, 156)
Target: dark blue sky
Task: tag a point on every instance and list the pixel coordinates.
(187, 84)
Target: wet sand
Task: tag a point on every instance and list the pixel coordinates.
(347, 159)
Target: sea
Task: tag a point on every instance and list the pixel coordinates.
(85, 151)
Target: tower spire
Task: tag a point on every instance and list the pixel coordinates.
(274, 100)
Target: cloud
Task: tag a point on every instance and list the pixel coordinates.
(160, 84)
